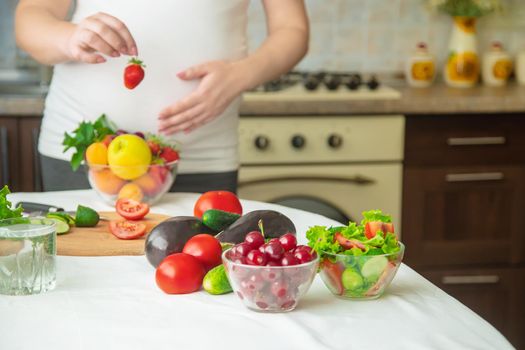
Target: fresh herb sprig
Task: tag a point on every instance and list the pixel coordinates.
(83, 136)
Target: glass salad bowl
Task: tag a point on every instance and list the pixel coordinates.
(270, 288)
(359, 277)
(146, 183)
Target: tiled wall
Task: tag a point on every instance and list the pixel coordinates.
(356, 35)
(377, 35)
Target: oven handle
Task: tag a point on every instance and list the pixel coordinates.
(358, 180)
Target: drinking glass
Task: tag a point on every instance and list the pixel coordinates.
(27, 256)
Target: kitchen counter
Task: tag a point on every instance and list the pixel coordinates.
(113, 303)
(438, 99)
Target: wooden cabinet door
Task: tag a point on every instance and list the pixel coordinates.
(494, 294)
(9, 174)
(30, 171)
(464, 216)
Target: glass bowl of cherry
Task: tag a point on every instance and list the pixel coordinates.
(270, 275)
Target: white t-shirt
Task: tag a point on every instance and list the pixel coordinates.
(171, 36)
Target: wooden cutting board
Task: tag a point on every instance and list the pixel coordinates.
(98, 240)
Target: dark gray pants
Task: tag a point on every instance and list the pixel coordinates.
(57, 175)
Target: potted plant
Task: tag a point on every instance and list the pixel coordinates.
(463, 65)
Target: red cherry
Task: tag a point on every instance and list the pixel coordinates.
(262, 248)
(288, 241)
(257, 258)
(279, 288)
(273, 263)
(289, 259)
(255, 239)
(242, 249)
(303, 256)
(274, 250)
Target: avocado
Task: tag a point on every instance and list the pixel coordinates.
(216, 281)
(274, 224)
(170, 236)
(218, 220)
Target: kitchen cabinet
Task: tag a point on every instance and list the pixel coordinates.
(9, 152)
(463, 205)
(19, 161)
(494, 294)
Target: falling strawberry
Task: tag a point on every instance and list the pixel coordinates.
(169, 154)
(134, 73)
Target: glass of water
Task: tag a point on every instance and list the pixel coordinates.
(27, 256)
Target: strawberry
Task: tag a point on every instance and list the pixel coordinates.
(134, 73)
(169, 154)
(154, 147)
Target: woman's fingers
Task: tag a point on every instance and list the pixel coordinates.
(91, 41)
(180, 106)
(107, 34)
(130, 47)
(180, 121)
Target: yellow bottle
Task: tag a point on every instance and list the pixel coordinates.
(420, 68)
(497, 66)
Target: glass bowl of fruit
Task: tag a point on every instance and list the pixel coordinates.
(131, 166)
(360, 260)
(270, 276)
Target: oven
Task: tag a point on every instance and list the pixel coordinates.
(336, 166)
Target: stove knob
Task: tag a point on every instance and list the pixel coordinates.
(332, 82)
(354, 80)
(373, 84)
(298, 141)
(261, 142)
(311, 83)
(335, 141)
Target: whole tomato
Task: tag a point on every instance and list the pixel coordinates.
(179, 273)
(222, 200)
(206, 248)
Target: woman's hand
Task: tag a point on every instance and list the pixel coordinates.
(220, 85)
(100, 34)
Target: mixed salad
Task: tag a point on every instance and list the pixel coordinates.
(358, 260)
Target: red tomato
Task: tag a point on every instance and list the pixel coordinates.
(372, 227)
(127, 229)
(348, 243)
(334, 272)
(222, 200)
(179, 273)
(206, 248)
(131, 209)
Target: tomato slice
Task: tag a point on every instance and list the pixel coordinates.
(348, 243)
(124, 229)
(333, 272)
(131, 209)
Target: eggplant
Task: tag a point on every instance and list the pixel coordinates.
(171, 235)
(274, 225)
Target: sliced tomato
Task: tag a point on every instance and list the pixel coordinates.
(131, 209)
(372, 227)
(333, 272)
(124, 229)
(388, 227)
(348, 243)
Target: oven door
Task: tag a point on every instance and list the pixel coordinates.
(339, 192)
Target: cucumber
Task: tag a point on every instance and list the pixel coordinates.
(60, 225)
(374, 267)
(216, 282)
(351, 279)
(218, 220)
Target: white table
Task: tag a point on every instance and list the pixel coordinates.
(114, 303)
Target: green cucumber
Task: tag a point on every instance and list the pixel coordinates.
(218, 220)
(216, 282)
(351, 279)
(60, 225)
(374, 267)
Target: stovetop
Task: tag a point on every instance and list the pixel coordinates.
(299, 85)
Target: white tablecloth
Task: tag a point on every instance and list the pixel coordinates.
(114, 303)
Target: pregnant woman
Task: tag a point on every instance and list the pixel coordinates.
(197, 67)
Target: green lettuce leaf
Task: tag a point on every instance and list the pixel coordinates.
(391, 244)
(322, 239)
(375, 215)
(376, 241)
(6, 212)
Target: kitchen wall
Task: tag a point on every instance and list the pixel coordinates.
(377, 35)
(355, 35)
